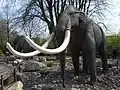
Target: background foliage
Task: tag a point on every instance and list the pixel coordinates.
(113, 42)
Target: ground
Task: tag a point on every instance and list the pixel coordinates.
(49, 79)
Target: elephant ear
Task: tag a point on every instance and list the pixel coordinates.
(83, 17)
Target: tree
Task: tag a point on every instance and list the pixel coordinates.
(7, 13)
(3, 31)
(48, 11)
(3, 35)
(113, 42)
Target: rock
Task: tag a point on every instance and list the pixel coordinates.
(49, 63)
(99, 64)
(111, 63)
(19, 60)
(15, 86)
(21, 77)
(50, 78)
(40, 59)
(33, 65)
(47, 88)
(36, 58)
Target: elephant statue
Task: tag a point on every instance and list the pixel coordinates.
(82, 34)
(21, 45)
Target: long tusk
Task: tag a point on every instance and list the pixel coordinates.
(14, 52)
(51, 51)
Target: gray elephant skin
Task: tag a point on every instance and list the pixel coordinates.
(21, 45)
(86, 36)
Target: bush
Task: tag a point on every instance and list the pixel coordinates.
(1, 53)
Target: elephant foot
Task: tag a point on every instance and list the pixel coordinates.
(93, 80)
(105, 71)
(92, 83)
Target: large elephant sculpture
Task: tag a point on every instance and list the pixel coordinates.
(82, 34)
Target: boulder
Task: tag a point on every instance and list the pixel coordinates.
(21, 77)
(40, 59)
(15, 86)
(33, 65)
(110, 63)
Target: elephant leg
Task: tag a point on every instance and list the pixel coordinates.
(103, 55)
(75, 60)
(85, 66)
(91, 59)
(61, 55)
(62, 64)
(89, 49)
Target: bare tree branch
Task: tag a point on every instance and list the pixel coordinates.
(49, 10)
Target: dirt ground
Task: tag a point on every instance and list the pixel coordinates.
(49, 79)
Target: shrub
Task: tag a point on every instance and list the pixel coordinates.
(1, 53)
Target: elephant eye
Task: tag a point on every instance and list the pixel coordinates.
(70, 13)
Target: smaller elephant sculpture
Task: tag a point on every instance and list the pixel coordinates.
(22, 45)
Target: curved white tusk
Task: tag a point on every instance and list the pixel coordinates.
(51, 51)
(14, 52)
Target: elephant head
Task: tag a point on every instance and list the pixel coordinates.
(21, 45)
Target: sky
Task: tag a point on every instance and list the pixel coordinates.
(112, 19)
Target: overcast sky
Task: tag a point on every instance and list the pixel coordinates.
(112, 19)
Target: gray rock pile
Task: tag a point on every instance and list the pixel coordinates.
(30, 65)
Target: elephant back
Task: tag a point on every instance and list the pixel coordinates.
(21, 45)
